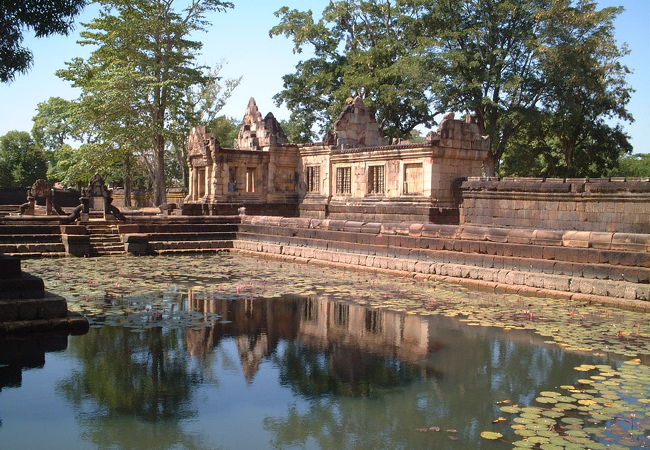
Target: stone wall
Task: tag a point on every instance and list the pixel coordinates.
(599, 267)
(602, 205)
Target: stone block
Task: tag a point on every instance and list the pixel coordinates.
(600, 240)
(415, 229)
(372, 228)
(76, 244)
(126, 229)
(578, 239)
(547, 237)
(9, 267)
(630, 242)
(497, 234)
(520, 236)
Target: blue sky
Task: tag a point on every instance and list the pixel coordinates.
(239, 38)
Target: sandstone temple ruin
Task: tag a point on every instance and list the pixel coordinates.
(353, 173)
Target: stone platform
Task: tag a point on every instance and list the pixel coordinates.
(25, 306)
(609, 268)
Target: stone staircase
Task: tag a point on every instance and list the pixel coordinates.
(29, 241)
(105, 240)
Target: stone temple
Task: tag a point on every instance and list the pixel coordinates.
(354, 173)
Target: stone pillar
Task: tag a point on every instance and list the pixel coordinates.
(48, 202)
(85, 212)
(208, 185)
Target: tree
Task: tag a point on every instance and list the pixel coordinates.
(504, 61)
(21, 161)
(54, 123)
(225, 129)
(200, 105)
(360, 48)
(636, 165)
(138, 75)
(45, 18)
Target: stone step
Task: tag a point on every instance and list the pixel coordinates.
(103, 238)
(534, 265)
(109, 248)
(9, 267)
(27, 255)
(108, 253)
(16, 238)
(32, 247)
(24, 286)
(190, 245)
(47, 306)
(171, 251)
(210, 236)
(72, 322)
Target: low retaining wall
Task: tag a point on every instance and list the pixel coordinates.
(602, 267)
(560, 204)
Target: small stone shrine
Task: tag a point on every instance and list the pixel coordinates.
(40, 189)
(98, 198)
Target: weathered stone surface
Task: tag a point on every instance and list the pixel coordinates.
(76, 244)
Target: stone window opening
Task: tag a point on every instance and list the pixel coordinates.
(374, 321)
(250, 179)
(232, 179)
(341, 314)
(313, 179)
(310, 310)
(413, 180)
(344, 180)
(376, 180)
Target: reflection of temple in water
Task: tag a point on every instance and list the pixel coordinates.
(26, 352)
(343, 330)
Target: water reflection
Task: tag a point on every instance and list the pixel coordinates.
(331, 347)
(21, 352)
(144, 374)
(295, 371)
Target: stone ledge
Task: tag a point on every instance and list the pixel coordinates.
(505, 281)
(27, 286)
(49, 306)
(72, 322)
(636, 242)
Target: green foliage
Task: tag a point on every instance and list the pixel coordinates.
(137, 78)
(225, 129)
(360, 48)
(200, 105)
(636, 165)
(508, 62)
(21, 161)
(297, 132)
(538, 150)
(44, 18)
(53, 123)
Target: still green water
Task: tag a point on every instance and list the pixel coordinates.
(238, 352)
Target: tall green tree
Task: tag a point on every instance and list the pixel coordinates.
(21, 161)
(138, 74)
(43, 17)
(505, 61)
(201, 104)
(361, 47)
(54, 123)
(635, 165)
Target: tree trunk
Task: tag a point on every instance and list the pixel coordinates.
(491, 165)
(158, 182)
(127, 182)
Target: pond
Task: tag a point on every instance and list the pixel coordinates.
(238, 352)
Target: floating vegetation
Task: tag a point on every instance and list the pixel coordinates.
(606, 406)
(612, 415)
(115, 286)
